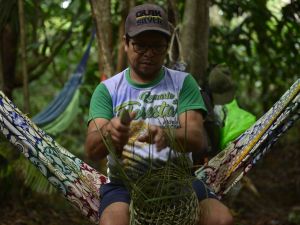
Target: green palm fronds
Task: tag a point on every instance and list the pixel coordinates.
(12, 164)
(34, 179)
(6, 157)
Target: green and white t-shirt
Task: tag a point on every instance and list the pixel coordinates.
(157, 103)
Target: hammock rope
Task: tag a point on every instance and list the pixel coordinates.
(80, 183)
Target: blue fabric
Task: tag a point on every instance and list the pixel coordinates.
(116, 192)
(62, 100)
(110, 193)
(202, 191)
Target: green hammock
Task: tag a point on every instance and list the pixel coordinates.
(64, 120)
(61, 111)
(80, 183)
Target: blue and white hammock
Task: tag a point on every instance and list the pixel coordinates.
(80, 183)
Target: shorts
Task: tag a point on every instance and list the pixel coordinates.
(112, 192)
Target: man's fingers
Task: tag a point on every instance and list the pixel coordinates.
(148, 138)
(126, 117)
(132, 115)
(155, 135)
(143, 138)
(161, 142)
(151, 136)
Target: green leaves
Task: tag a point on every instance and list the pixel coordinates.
(260, 43)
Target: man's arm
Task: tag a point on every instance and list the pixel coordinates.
(118, 130)
(191, 133)
(94, 144)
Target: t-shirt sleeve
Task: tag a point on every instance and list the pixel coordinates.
(101, 104)
(190, 97)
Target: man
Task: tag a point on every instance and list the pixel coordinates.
(156, 97)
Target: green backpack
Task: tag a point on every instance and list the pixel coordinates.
(234, 122)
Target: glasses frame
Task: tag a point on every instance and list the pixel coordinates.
(142, 49)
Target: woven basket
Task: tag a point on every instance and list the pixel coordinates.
(164, 196)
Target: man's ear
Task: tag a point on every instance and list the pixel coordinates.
(125, 43)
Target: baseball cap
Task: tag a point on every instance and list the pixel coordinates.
(221, 85)
(146, 17)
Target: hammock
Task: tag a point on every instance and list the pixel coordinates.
(80, 183)
(63, 121)
(223, 171)
(59, 113)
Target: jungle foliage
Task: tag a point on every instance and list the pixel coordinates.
(258, 39)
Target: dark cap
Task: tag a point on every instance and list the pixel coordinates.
(221, 85)
(146, 17)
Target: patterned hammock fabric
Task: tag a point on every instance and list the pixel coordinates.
(80, 183)
(223, 171)
(76, 180)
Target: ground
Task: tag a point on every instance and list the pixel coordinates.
(276, 201)
(277, 181)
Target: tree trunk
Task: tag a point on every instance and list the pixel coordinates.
(8, 51)
(174, 54)
(121, 63)
(23, 55)
(1, 72)
(195, 37)
(173, 12)
(102, 17)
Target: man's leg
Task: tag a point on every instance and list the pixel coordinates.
(213, 212)
(114, 204)
(116, 213)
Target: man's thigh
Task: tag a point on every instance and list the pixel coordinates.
(114, 204)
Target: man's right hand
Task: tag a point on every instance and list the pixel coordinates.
(118, 128)
(118, 131)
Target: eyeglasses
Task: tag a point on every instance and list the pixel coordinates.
(156, 49)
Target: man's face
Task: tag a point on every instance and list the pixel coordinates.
(146, 53)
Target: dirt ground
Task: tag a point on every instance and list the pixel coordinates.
(270, 195)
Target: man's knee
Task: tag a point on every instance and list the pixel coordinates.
(115, 214)
(225, 219)
(214, 212)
